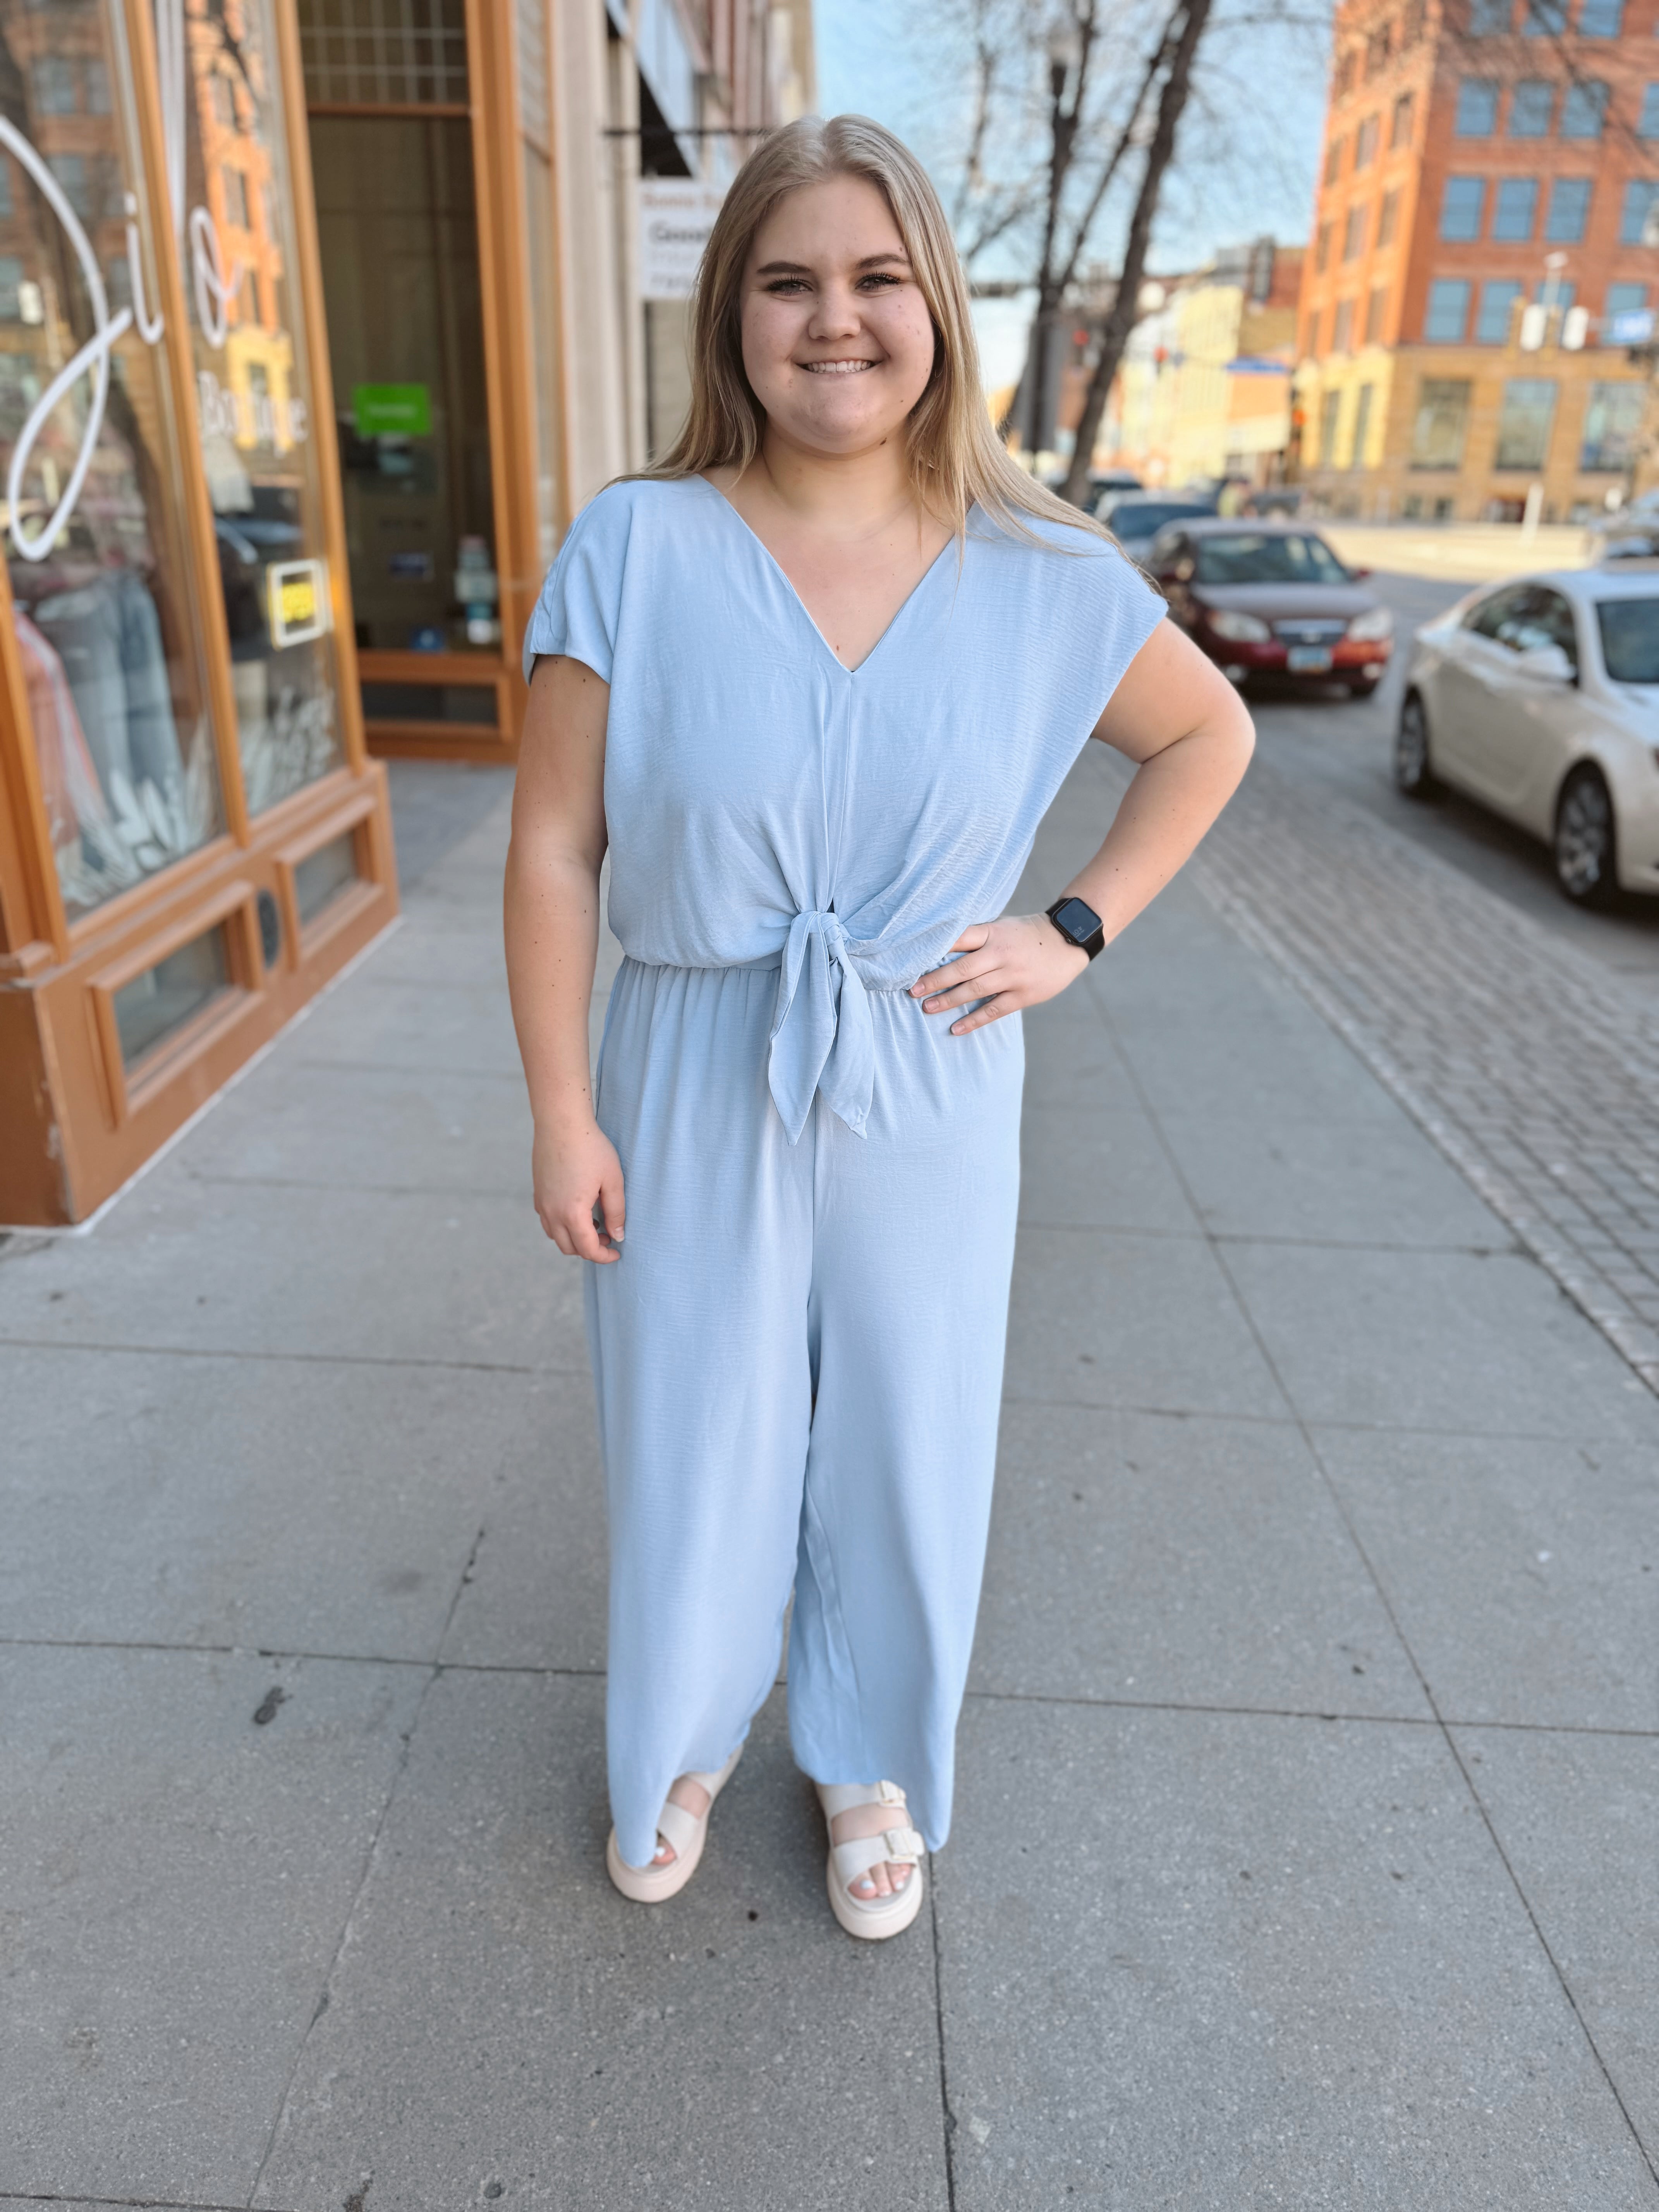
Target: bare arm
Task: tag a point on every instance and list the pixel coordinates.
(551, 914)
(1177, 717)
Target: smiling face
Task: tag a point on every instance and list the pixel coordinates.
(837, 341)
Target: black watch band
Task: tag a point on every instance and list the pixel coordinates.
(1079, 924)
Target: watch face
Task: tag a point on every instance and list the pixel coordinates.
(1075, 920)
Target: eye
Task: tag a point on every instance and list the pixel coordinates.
(782, 285)
(881, 280)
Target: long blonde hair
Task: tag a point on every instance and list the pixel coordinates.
(956, 460)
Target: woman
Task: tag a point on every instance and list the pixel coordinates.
(813, 682)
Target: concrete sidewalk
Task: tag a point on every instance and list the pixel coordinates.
(1308, 1777)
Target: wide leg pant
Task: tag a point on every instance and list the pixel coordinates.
(867, 1274)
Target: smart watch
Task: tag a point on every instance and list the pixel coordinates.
(1079, 924)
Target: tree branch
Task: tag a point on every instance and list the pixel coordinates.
(1172, 101)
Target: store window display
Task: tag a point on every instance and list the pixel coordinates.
(111, 657)
(219, 78)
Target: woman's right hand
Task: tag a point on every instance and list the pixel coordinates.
(573, 1172)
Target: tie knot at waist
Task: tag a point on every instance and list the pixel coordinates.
(823, 1037)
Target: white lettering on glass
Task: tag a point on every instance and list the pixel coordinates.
(252, 417)
(93, 356)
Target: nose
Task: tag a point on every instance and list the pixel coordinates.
(836, 314)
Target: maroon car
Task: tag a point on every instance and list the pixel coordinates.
(1271, 598)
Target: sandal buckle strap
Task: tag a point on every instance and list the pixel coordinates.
(904, 1846)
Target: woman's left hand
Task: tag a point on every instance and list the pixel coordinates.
(1017, 961)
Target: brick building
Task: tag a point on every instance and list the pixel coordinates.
(1485, 223)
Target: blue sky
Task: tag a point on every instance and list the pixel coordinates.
(1248, 171)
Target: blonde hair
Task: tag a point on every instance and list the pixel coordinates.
(956, 460)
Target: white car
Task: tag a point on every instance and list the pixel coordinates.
(1540, 697)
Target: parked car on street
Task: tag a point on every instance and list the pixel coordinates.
(1272, 599)
(1540, 697)
(1104, 483)
(1135, 518)
(1630, 532)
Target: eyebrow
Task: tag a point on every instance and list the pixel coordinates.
(799, 269)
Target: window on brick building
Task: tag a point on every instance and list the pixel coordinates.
(1461, 206)
(1531, 108)
(1583, 111)
(1362, 423)
(1625, 299)
(1544, 19)
(1477, 108)
(1570, 199)
(1447, 313)
(1365, 144)
(1514, 210)
(1388, 218)
(1600, 19)
(1332, 160)
(1441, 422)
(1342, 329)
(1376, 308)
(1323, 249)
(1353, 235)
(1411, 24)
(1647, 124)
(1490, 19)
(1612, 426)
(1399, 133)
(1523, 422)
(1330, 416)
(1641, 209)
(1491, 324)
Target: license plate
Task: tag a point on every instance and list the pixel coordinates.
(1307, 659)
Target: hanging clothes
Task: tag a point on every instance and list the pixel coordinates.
(69, 779)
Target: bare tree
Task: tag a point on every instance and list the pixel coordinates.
(1186, 27)
(1068, 126)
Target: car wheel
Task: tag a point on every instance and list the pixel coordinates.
(1414, 764)
(1586, 841)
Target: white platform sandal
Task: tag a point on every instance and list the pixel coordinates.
(686, 1832)
(872, 1917)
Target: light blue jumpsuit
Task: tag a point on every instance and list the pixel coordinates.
(821, 1180)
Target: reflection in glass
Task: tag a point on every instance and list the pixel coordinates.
(165, 997)
(258, 429)
(322, 875)
(111, 659)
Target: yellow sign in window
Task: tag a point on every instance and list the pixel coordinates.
(297, 600)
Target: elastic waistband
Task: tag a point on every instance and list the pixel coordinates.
(769, 966)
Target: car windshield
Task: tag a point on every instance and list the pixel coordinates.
(1268, 557)
(1144, 518)
(1630, 639)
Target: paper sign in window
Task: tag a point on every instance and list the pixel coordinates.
(297, 601)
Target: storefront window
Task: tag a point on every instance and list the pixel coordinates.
(397, 219)
(113, 659)
(260, 433)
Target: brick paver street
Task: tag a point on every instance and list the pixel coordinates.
(1534, 1067)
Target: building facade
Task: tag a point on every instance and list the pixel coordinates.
(318, 320)
(1205, 388)
(1484, 248)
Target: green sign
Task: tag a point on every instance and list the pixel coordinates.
(392, 410)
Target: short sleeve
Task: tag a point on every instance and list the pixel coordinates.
(578, 609)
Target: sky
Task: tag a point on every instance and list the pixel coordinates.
(1245, 172)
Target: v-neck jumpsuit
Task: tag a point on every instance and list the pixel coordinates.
(799, 1356)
